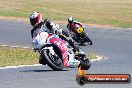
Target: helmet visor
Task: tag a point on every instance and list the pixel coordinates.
(34, 21)
(70, 21)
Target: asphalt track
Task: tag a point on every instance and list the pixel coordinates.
(115, 43)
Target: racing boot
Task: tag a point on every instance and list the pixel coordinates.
(79, 54)
(72, 62)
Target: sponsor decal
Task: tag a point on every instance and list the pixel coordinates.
(83, 78)
(64, 50)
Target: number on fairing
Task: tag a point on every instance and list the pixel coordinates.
(43, 35)
(80, 30)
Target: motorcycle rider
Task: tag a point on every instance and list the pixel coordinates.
(72, 25)
(45, 25)
(54, 28)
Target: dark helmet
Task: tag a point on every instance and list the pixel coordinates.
(48, 23)
(35, 19)
(70, 20)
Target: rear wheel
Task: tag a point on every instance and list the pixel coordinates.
(53, 61)
(85, 64)
(81, 80)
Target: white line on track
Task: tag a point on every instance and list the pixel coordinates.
(99, 58)
(20, 66)
(15, 46)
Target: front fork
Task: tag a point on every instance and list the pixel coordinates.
(51, 50)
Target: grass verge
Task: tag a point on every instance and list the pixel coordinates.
(10, 56)
(92, 56)
(17, 56)
(106, 12)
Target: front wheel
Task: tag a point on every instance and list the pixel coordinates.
(53, 61)
(88, 39)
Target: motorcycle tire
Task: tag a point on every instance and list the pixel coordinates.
(88, 39)
(81, 80)
(85, 64)
(54, 63)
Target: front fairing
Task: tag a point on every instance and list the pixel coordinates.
(62, 45)
(40, 40)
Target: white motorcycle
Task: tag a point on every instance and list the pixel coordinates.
(56, 52)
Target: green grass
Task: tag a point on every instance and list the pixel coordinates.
(92, 56)
(17, 56)
(22, 56)
(106, 12)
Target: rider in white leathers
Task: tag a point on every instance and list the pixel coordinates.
(47, 26)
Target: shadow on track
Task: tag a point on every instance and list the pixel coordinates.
(82, 44)
(42, 71)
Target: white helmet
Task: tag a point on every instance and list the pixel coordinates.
(70, 20)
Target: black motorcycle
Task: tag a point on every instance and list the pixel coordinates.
(80, 36)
